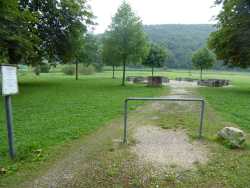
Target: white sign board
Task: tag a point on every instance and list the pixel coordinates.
(9, 80)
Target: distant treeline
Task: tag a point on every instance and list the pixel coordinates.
(181, 40)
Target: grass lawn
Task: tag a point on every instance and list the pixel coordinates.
(228, 106)
(232, 103)
(53, 109)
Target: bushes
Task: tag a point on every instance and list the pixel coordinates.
(69, 70)
(37, 70)
(82, 69)
(45, 68)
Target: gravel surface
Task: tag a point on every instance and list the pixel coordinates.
(168, 148)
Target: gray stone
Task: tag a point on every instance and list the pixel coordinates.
(234, 136)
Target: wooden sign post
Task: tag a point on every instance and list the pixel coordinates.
(9, 86)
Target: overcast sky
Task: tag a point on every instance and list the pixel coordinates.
(157, 11)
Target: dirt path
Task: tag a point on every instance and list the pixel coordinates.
(83, 161)
(170, 147)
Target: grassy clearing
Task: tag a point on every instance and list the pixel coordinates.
(120, 167)
(53, 109)
(55, 121)
(232, 102)
(226, 169)
(117, 166)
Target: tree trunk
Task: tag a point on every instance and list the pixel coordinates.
(124, 71)
(76, 70)
(12, 56)
(152, 71)
(113, 72)
(201, 74)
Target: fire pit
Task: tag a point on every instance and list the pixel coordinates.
(214, 83)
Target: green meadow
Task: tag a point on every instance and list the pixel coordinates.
(52, 110)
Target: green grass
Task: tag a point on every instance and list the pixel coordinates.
(232, 103)
(53, 109)
(229, 106)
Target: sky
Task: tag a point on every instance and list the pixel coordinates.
(157, 11)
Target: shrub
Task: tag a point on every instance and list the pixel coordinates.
(45, 68)
(84, 70)
(98, 67)
(37, 70)
(69, 70)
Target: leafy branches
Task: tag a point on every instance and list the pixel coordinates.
(126, 37)
(231, 41)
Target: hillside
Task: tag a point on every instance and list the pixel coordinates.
(181, 40)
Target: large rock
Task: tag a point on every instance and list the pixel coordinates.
(234, 136)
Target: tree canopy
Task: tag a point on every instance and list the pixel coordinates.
(48, 29)
(203, 59)
(156, 56)
(127, 37)
(17, 36)
(110, 54)
(231, 41)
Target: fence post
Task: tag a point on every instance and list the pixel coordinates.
(125, 140)
(201, 118)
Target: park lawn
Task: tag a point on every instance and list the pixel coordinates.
(53, 109)
(233, 102)
(229, 106)
(227, 168)
(59, 111)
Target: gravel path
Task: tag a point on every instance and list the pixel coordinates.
(168, 147)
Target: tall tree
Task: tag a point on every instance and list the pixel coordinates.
(127, 31)
(110, 53)
(203, 59)
(231, 41)
(156, 57)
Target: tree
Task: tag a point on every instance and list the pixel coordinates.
(89, 52)
(110, 53)
(38, 30)
(156, 57)
(18, 39)
(231, 41)
(127, 31)
(203, 59)
(91, 49)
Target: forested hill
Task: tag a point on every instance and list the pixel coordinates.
(181, 40)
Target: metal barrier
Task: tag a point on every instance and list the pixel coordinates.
(125, 139)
